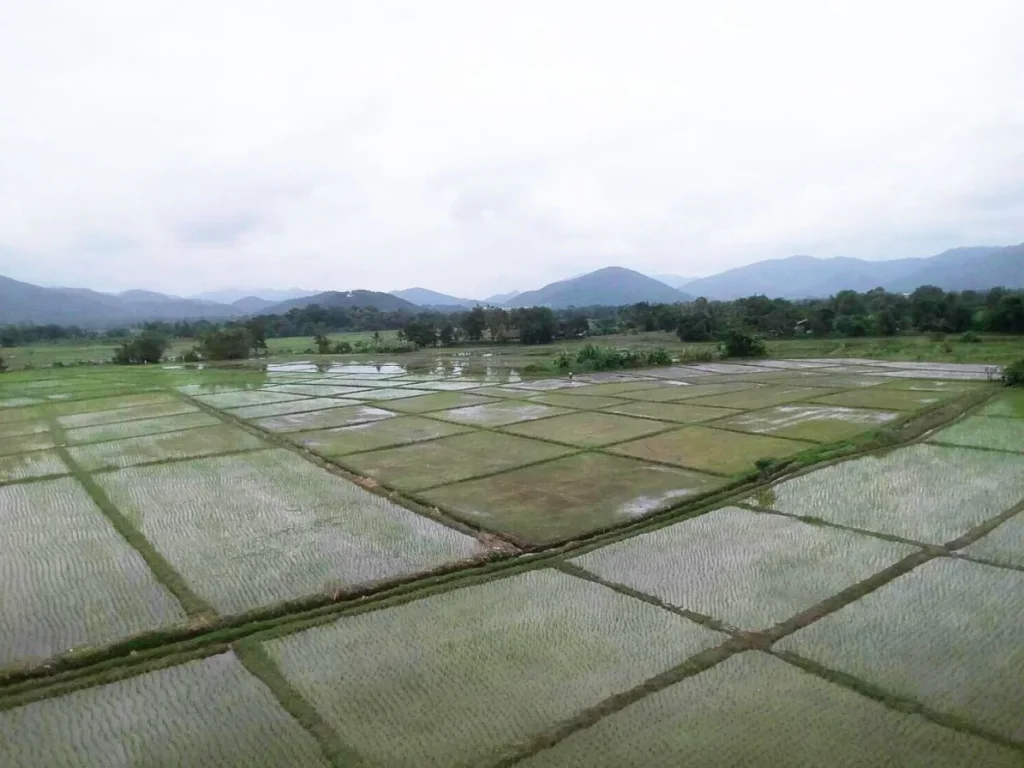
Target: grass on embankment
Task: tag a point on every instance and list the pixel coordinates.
(991, 349)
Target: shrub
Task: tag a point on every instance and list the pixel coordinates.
(741, 344)
(192, 356)
(970, 338)
(696, 355)
(1013, 374)
(936, 336)
(342, 348)
(594, 358)
(659, 357)
(323, 344)
(3, 365)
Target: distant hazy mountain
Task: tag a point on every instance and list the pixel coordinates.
(963, 269)
(26, 303)
(611, 286)
(384, 302)
(273, 295)
(425, 297)
(253, 305)
(801, 277)
(674, 281)
(499, 299)
(796, 277)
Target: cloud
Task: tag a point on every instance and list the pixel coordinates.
(475, 148)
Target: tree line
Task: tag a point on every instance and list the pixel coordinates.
(847, 314)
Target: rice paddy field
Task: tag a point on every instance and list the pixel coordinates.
(780, 563)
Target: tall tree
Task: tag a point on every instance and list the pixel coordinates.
(475, 323)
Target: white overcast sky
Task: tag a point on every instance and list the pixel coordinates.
(479, 146)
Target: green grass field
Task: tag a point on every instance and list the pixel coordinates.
(992, 349)
(784, 562)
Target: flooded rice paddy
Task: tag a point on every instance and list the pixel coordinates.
(453, 565)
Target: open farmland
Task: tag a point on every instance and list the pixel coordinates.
(782, 563)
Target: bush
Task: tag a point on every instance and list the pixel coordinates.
(1013, 374)
(696, 355)
(970, 338)
(147, 347)
(342, 348)
(659, 357)
(936, 336)
(192, 356)
(594, 358)
(3, 365)
(740, 344)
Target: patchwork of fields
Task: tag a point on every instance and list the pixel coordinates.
(782, 563)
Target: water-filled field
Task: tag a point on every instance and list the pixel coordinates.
(793, 562)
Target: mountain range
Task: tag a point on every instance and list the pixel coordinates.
(796, 277)
(804, 277)
(26, 303)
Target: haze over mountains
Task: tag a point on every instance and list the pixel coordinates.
(804, 277)
(796, 277)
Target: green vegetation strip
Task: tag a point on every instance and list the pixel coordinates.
(696, 664)
(256, 660)
(193, 604)
(893, 701)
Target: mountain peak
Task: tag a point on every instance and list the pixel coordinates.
(425, 297)
(608, 286)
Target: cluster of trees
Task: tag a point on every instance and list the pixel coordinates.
(528, 325)
(301, 321)
(146, 347)
(848, 313)
(23, 335)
